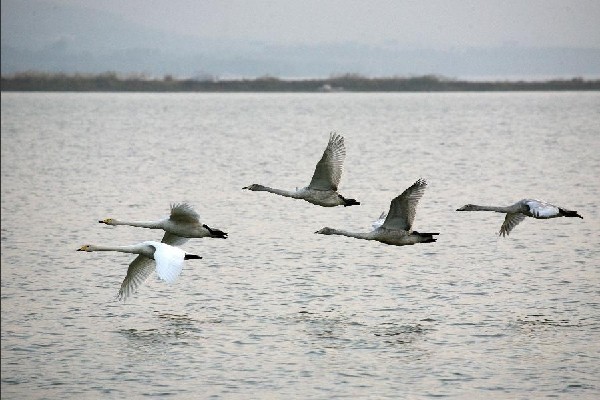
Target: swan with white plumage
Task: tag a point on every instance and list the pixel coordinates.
(168, 262)
(525, 208)
(322, 190)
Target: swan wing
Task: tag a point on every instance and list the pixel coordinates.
(511, 220)
(377, 223)
(183, 212)
(328, 171)
(169, 262)
(139, 270)
(173, 240)
(403, 208)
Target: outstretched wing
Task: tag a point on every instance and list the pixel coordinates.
(328, 172)
(377, 223)
(403, 208)
(511, 220)
(183, 212)
(139, 270)
(169, 262)
(173, 240)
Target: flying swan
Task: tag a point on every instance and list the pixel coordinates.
(182, 224)
(521, 209)
(168, 260)
(396, 229)
(323, 187)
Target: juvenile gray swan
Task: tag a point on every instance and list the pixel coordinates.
(396, 229)
(521, 209)
(182, 224)
(323, 187)
(168, 259)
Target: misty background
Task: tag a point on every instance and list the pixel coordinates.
(217, 39)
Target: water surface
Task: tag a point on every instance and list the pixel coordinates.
(276, 311)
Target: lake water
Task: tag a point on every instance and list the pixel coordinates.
(276, 311)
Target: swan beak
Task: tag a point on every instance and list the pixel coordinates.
(78, 250)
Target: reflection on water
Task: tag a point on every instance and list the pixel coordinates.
(276, 311)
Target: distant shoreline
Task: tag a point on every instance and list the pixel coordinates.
(111, 82)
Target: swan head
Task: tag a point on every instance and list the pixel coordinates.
(85, 247)
(467, 207)
(254, 187)
(325, 231)
(108, 221)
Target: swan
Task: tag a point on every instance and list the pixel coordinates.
(323, 187)
(168, 260)
(525, 208)
(183, 223)
(396, 229)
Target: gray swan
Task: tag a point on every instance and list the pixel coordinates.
(521, 209)
(396, 229)
(323, 187)
(168, 263)
(183, 223)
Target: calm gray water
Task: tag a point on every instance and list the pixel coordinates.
(276, 311)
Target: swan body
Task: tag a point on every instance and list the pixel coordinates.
(183, 223)
(396, 227)
(168, 263)
(524, 208)
(322, 190)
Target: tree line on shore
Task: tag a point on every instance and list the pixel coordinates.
(112, 82)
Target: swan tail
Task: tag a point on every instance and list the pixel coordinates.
(568, 213)
(215, 233)
(349, 202)
(427, 237)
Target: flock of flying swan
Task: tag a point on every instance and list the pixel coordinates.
(393, 227)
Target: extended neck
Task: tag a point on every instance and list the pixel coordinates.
(489, 208)
(280, 192)
(139, 224)
(135, 249)
(356, 235)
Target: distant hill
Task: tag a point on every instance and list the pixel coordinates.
(349, 82)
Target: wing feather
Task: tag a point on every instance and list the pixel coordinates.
(173, 240)
(139, 270)
(169, 262)
(328, 171)
(510, 221)
(183, 212)
(403, 208)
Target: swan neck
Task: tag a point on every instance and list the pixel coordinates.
(357, 235)
(141, 224)
(123, 249)
(281, 192)
(491, 208)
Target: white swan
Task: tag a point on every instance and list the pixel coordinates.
(521, 209)
(168, 260)
(323, 187)
(396, 229)
(182, 224)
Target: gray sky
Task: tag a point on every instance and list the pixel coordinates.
(435, 24)
(304, 38)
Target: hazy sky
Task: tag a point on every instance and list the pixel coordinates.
(435, 24)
